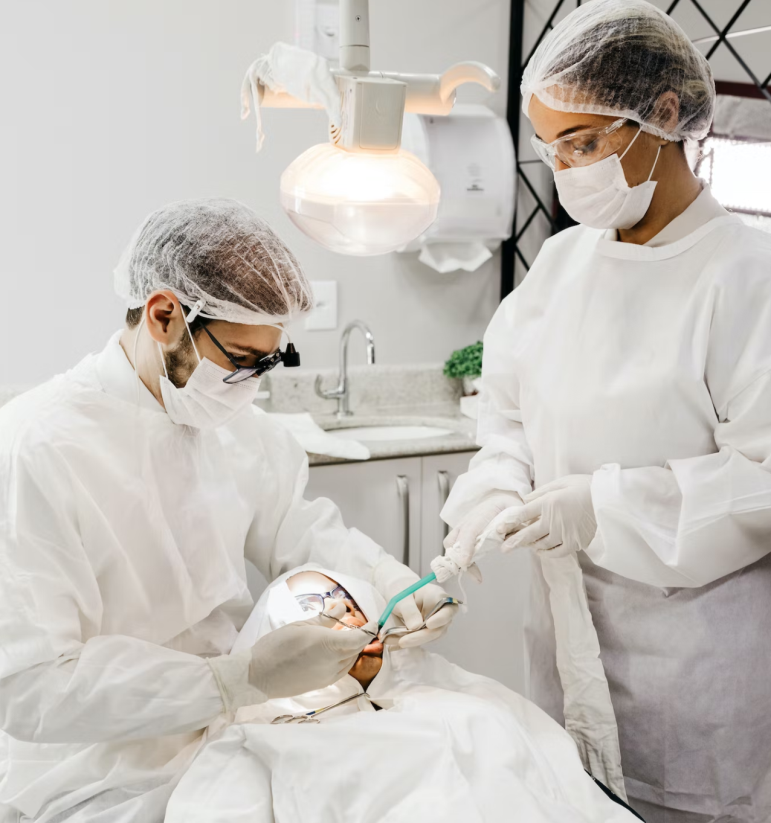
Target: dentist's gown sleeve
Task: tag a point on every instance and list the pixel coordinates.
(289, 530)
(698, 519)
(505, 462)
(59, 681)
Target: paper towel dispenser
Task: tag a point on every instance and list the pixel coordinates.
(471, 154)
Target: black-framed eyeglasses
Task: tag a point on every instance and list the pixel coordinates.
(314, 602)
(290, 358)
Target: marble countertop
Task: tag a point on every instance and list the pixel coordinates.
(444, 416)
(406, 395)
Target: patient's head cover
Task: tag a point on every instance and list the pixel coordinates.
(280, 604)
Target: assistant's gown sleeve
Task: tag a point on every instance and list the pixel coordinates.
(698, 519)
(289, 530)
(505, 462)
(60, 682)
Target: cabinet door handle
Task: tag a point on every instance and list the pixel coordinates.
(403, 488)
(443, 478)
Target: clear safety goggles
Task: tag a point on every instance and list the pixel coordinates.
(314, 603)
(582, 148)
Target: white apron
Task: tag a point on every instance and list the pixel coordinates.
(650, 369)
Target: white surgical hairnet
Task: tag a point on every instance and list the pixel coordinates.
(219, 253)
(617, 57)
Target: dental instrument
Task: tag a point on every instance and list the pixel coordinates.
(348, 625)
(310, 717)
(394, 601)
(400, 631)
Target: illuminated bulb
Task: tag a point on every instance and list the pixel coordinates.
(360, 203)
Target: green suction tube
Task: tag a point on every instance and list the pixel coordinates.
(429, 578)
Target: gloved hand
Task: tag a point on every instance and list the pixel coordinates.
(461, 542)
(391, 577)
(557, 518)
(294, 659)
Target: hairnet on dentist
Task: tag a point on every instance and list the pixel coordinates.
(617, 59)
(218, 252)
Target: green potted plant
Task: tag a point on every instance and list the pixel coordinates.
(466, 365)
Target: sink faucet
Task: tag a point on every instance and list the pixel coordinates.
(341, 391)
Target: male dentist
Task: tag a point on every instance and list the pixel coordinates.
(132, 489)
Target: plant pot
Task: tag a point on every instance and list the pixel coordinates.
(470, 386)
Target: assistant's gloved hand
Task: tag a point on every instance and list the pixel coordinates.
(461, 542)
(390, 578)
(557, 518)
(294, 659)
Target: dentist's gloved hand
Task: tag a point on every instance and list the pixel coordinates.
(390, 578)
(557, 518)
(461, 543)
(294, 659)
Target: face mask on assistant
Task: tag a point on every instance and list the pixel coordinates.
(206, 401)
(599, 196)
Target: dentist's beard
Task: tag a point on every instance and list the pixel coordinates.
(181, 362)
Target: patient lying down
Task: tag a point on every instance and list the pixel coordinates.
(306, 587)
(420, 739)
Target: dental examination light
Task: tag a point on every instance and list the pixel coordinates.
(360, 193)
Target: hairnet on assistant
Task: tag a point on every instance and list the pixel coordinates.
(219, 253)
(616, 58)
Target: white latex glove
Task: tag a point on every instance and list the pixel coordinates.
(390, 578)
(557, 518)
(298, 72)
(461, 543)
(297, 658)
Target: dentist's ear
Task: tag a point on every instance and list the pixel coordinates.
(164, 318)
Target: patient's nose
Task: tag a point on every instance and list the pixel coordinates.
(336, 607)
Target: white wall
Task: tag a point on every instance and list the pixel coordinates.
(111, 109)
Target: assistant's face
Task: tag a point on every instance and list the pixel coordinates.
(550, 124)
(345, 608)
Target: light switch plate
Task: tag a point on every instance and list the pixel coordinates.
(324, 316)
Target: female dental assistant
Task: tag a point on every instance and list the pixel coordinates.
(626, 417)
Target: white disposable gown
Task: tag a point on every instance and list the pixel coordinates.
(649, 368)
(123, 540)
(447, 746)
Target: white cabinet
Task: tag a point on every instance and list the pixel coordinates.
(380, 498)
(397, 503)
(439, 475)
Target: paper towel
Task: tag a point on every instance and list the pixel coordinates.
(447, 257)
(316, 441)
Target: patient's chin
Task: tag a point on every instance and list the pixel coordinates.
(366, 668)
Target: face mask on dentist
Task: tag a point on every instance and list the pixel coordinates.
(599, 196)
(205, 401)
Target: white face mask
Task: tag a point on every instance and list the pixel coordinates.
(599, 196)
(205, 402)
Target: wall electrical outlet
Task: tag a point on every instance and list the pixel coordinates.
(324, 316)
